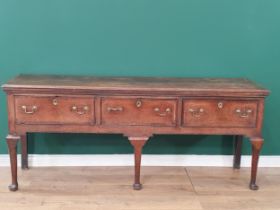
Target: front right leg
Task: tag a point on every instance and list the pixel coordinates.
(12, 141)
(257, 143)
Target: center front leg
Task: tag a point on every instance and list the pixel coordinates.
(137, 143)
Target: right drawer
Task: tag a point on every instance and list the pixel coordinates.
(220, 113)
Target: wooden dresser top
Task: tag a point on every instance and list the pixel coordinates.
(137, 85)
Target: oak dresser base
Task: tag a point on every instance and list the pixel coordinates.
(138, 108)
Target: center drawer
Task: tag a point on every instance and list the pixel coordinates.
(138, 111)
(54, 110)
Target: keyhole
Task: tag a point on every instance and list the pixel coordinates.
(138, 103)
(220, 105)
(55, 102)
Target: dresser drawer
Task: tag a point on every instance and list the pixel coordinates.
(54, 110)
(138, 111)
(219, 113)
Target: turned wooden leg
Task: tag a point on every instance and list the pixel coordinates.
(12, 146)
(237, 151)
(137, 143)
(24, 152)
(256, 148)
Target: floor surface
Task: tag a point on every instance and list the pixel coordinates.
(164, 188)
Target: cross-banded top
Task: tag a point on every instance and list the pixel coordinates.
(136, 85)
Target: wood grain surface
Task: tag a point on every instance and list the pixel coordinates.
(231, 86)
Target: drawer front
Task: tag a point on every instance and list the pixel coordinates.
(215, 113)
(136, 111)
(54, 110)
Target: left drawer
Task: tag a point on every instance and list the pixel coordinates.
(54, 110)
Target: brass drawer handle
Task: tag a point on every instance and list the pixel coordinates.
(33, 109)
(162, 114)
(196, 112)
(115, 109)
(80, 111)
(244, 113)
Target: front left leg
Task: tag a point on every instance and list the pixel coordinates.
(137, 143)
(12, 141)
(256, 148)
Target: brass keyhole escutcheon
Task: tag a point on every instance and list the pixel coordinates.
(220, 105)
(55, 102)
(138, 103)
